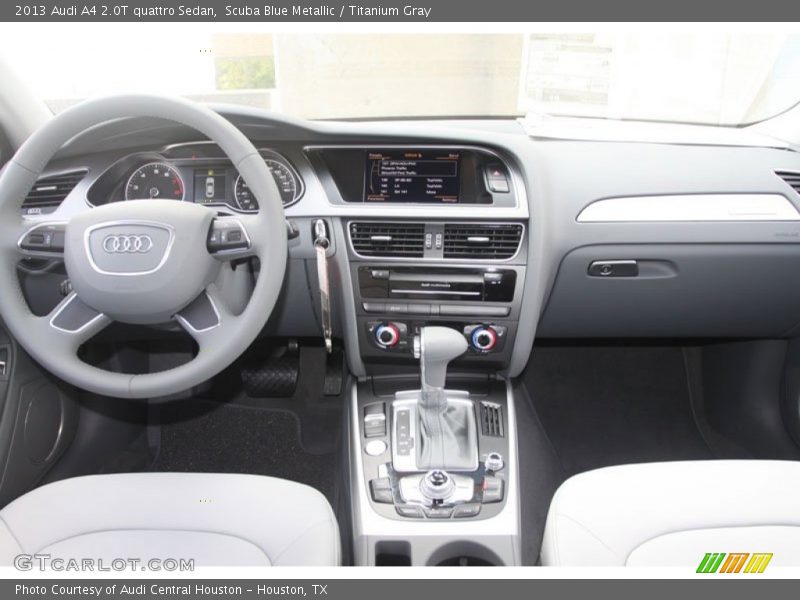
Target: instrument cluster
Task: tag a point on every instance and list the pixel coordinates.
(208, 181)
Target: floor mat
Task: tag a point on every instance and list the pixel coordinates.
(609, 405)
(226, 438)
(319, 416)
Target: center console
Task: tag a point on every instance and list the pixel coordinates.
(437, 289)
(407, 515)
(400, 488)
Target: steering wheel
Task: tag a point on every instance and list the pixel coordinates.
(140, 262)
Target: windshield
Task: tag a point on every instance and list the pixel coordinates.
(712, 78)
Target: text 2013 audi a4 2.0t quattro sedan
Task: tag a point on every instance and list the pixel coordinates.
(242, 337)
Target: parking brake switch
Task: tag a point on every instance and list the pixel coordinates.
(374, 420)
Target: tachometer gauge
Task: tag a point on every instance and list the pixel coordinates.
(285, 179)
(155, 181)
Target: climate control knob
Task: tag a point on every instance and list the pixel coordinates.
(387, 335)
(484, 339)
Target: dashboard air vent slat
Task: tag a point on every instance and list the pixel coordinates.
(49, 192)
(793, 179)
(475, 241)
(491, 419)
(405, 240)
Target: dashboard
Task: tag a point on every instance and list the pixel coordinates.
(479, 226)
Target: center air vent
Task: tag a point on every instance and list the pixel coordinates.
(473, 241)
(491, 419)
(406, 240)
(49, 192)
(793, 179)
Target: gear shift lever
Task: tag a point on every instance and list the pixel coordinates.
(436, 348)
(448, 437)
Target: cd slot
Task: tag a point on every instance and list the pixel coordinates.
(395, 292)
(460, 286)
(432, 284)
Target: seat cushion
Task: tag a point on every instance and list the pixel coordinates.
(215, 519)
(672, 513)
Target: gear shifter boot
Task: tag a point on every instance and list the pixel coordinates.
(447, 438)
(447, 431)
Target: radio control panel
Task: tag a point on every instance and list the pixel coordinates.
(393, 302)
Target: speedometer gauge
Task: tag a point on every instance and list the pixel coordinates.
(155, 180)
(285, 179)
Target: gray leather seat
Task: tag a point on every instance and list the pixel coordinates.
(215, 519)
(673, 513)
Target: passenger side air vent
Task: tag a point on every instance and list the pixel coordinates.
(405, 240)
(469, 241)
(49, 192)
(793, 179)
(491, 419)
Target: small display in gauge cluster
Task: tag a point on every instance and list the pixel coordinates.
(209, 186)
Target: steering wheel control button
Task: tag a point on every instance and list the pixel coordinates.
(226, 236)
(494, 462)
(44, 238)
(381, 490)
(492, 489)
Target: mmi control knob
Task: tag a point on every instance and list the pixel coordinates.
(387, 335)
(484, 339)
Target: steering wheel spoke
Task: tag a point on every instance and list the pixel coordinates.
(229, 238)
(205, 316)
(42, 240)
(75, 321)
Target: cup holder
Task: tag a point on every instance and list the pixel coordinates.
(464, 554)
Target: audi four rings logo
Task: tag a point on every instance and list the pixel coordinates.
(127, 244)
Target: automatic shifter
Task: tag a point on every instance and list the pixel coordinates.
(447, 431)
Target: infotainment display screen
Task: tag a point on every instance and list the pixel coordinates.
(412, 176)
